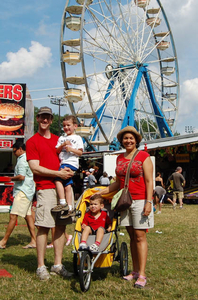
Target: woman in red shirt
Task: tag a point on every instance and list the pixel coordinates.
(139, 217)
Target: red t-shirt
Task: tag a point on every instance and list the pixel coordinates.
(137, 185)
(42, 149)
(102, 221)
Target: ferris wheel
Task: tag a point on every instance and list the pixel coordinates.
(119, 68)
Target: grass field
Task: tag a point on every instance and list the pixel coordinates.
(172, 268)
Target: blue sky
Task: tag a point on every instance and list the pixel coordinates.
(30, 30)
(29, 50)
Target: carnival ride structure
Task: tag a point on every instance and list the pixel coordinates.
(119, 67)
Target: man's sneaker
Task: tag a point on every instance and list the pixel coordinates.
(43, 273)
(94, 248)
(59, 208)
(159, 212)
(82, 246)
(71, 213)
(60, 270)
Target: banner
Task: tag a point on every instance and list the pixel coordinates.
(12, 109)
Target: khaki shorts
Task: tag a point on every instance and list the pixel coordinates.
(46, 200)
(21, 205)
(178, 195)
(134, 216)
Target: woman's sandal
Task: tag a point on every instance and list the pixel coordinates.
(69, 240)
(140, 284)
(131, 276)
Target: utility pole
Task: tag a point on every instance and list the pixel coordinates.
(60, 101)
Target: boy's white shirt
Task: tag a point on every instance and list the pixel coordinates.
(69, 157)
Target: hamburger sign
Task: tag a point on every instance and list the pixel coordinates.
(12, 108)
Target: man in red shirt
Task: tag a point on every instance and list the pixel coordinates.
(44, 163)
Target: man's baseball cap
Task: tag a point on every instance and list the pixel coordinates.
(45, 110)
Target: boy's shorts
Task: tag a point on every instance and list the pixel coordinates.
(21, 205)
(95, 231)
(68, 181)
(134, 216)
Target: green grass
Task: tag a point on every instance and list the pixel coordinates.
(172, 267)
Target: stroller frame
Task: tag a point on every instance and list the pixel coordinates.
(85, 261)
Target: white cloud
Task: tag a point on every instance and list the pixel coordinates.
(189, 92)
(181, 16)
(25, 63)
(188, 112)
(43, 29)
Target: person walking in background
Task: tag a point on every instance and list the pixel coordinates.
(91, 178)
(44, 163)
(104, 180)
(85, 180)
(178, 186)
(69, 148)
(159, 180)
(160, 196)
(139, 217)
(23, 192)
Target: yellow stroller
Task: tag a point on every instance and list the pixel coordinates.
(85, 261)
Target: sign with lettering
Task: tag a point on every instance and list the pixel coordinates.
(12, 109)
(4, 143)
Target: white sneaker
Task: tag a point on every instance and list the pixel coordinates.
(82, 246)
(159, 212)
(43, 273)
(94, 248)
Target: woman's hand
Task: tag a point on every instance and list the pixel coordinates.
(97, 193)
(147, 209)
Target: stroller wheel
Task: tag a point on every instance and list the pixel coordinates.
(123, 259)
(85, 271)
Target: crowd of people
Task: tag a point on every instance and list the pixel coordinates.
(161, 193)
(45, 167)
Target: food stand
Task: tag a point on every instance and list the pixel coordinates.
(16, 122)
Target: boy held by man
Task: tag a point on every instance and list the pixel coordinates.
(96, 222)
(69, 148)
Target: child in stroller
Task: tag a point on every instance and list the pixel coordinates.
(96, 221)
